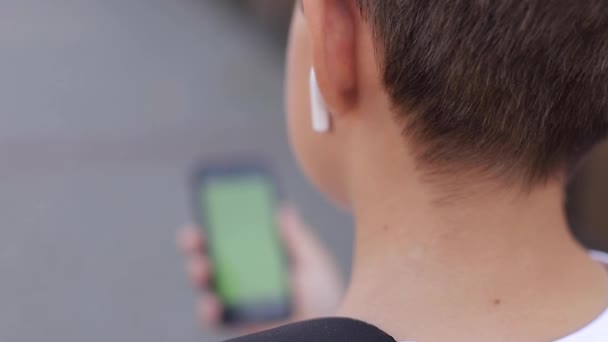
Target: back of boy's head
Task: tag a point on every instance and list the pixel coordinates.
(515, 88)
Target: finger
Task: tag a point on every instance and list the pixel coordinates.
(210, 310)
(199, 272)
(300, 241)
(190, 240)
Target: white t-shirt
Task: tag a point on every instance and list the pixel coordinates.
(597, 331)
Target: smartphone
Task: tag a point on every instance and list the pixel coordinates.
(236, 206)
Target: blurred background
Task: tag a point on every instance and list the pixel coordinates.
(105, 107)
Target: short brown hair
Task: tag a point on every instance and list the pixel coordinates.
(516, 87)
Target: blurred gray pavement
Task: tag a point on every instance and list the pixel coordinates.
(104, 106)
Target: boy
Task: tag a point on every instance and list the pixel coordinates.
(452, 129)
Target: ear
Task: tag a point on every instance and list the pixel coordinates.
(332, 25)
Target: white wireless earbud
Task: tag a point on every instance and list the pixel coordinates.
(320, 115)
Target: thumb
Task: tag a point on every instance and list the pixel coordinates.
(300, 242)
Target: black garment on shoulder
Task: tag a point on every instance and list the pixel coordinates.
(321, 330)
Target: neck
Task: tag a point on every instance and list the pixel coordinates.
(499, 261)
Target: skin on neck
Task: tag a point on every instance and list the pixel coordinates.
(492, 263)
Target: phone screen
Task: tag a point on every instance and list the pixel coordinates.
(240, 219)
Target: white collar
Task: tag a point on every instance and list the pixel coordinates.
(601, 257)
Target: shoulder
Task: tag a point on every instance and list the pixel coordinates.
(321, 330)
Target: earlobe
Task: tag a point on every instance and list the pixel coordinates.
(321, 120)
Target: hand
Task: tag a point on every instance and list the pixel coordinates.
(316, 283)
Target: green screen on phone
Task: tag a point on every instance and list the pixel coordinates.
(248, 261)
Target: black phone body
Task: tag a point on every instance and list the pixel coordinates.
(236, 204)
